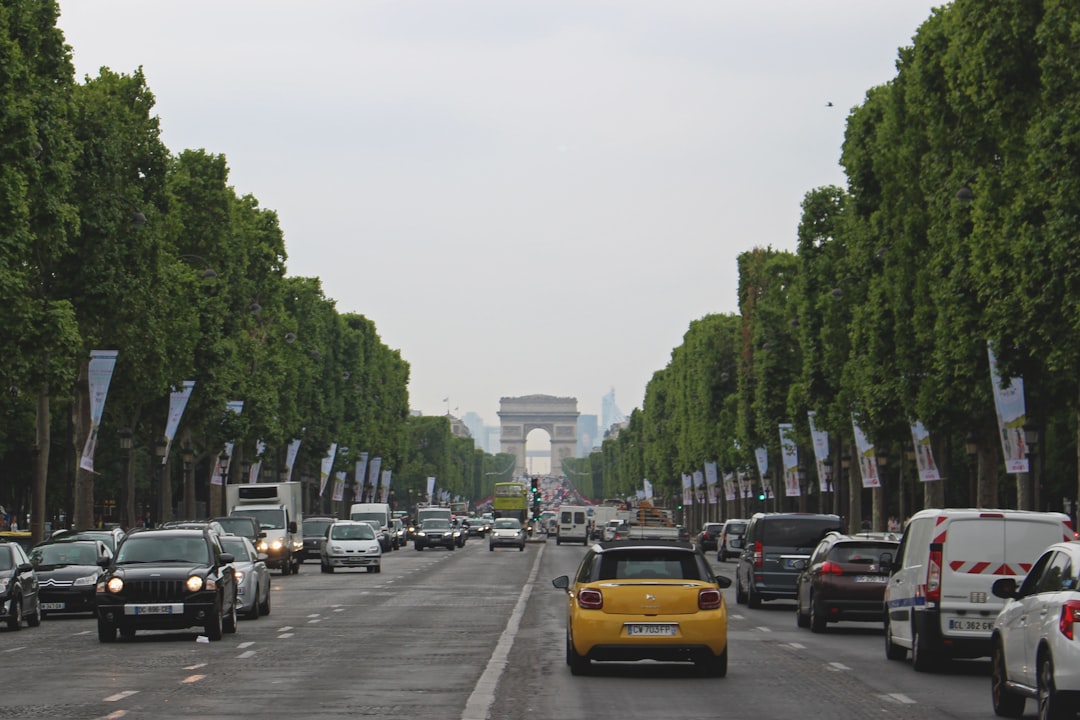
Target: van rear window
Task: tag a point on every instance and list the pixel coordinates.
(797, 532)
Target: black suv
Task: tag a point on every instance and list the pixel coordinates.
(774, 550)
(167, 579)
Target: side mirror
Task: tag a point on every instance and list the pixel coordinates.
(723, 581)
(262, 557)
(562, 582)
(25, 567)
(1004, 588)
(226, 558)
(104, 562)
(261, 535)
(292, 526)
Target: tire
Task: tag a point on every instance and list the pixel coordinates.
(521, 548)
(753, 600)
(228, 623)
(213, 628)
(715, 666)
(892, 650)
(378, 568)
(34, 618)
(801, 619)
(127, 632)
(579, 664)
(296, 567)
(106, 632)
(720, 557)
(418, 547)
(558, 541)
(491, 548)
(1052, 705)
(286, 567)
(818, 622)
(740, 594)
(15, 617)
(453, 546)
(265, 607)
(256, 609)
(328, 568)
(921, 658)
(1005, 703)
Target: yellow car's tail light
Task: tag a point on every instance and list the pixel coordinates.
(590, 599)
(709, 599)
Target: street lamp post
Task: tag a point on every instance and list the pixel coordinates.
(127, 499)
(845, 482)
(1031, 438)
(223, 461)
(157, 503)
(188, 456)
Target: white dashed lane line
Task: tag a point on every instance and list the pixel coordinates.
(120, 696)
(837, 667)
(191, 679)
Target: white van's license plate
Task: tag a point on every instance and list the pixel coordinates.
(970, 624)
(663, 630)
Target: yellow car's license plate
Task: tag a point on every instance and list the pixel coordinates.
(654, 629)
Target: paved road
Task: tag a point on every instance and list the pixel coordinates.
(465, 634)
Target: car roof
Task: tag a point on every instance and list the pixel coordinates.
(631, 545)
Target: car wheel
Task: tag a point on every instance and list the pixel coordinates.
(265, 607)
(256, 609)
(801, 619)
(720, 557)
(453, 546)
(1006, 704)
(418, 547)
(521, 547)
(579, 664)
(127, 632)
(753, 600)
(213, 624)
(228, 623)
(892, 650)
(15, 617)
(296, 567)
(106, 631)
(921, 658)
(34, 618)
(328, 568)
(1052, 705)
(740, 594)
(818, 623)
(558, 541)
(491, 548)
(715, 666)
(378, 568)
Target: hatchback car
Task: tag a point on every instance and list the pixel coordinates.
(241, 525)
(507, 533)
(351, 544)
(1036, 637)
(730, 542)
(435, 532)
(844, 579)
(168, 579)
(709, 536)
(112, 537)
(68, 573)
(314, 533)
(18, 588)
(252, 576)
(645, 600)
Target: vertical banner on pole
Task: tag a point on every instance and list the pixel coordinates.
(100, 372)
(1011, 417)
(924, 454)
(867, 457)
(359, 473)
(325, 466)
(789, 454)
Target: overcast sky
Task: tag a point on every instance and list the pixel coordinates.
(525, 196)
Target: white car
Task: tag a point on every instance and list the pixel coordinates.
(252, 576)
(1036, 637)
(507, 532)
(351, 544)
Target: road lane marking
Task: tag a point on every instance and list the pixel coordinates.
(837, 666)
(339, 609)
(287, 628)
(314, 620)
(245, 655)
(313, 615)
(899, 698)
(196, 666)
(283, 636)
(120, 696)
(247, 644)
(191, 679)
(483, 695)
(797, 646)
(114, 715)
(762, 628)
(15, 649)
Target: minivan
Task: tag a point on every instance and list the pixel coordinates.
(774, 549)
(573, 525)
(938, 601)
(730, 540)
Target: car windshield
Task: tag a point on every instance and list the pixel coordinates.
(106, 537)
(163, 549)
(507, 524)
(649, 564)
(5, 559)
(316, 528)
(361, 531)
(236, 525)
(436, 524)
(236, 547)
(269, 519)
(66, 553)
(735, 528)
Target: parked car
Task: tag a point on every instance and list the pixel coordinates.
(939, 602)
(351, 544)
(168, 579)
(645, 600)
(18, 588)
(1036, 653)
(844, 579)
(399, 531)
(112, 537)
(507, 533)
(461, 532)
(709, 536)
(68, 573)
(252, 576)
(23, 537)
(242, 525)
(314, 533)
(730, 542)
(772, 545)
(435, 532)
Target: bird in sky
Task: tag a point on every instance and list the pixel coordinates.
(829, 104)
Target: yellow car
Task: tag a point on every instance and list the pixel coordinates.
(645, 600)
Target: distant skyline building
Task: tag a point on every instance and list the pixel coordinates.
(588, 434)
(610, 414)
(486, 437)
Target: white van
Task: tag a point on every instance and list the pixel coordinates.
(379, 512)
(574, 523)
(938, 602)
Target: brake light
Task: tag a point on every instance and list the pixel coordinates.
(933, 577)
(759, 554)
(831, 568)
(590, 599)
(1070, 614)
(709, 599)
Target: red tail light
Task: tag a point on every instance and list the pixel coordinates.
(933, 577)
(589, 599)
(759, 554)
(709, 599)
(831, 568)
(1070, 614)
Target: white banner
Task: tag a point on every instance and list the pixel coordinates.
(290, 457)
(699, 487)
(867, 457)
(359, 473)
(924, 454)
(820, 439)
(325, 467)
(99, 374)
(762, 457)
(789, 455)
(256, 467)
(177, 403)
(687, 489)
(339, 486)
(710, 481)
(1011, 417)
(729, 486)
(431, 489)
(373, 478)
(647, 491)
(384, 488)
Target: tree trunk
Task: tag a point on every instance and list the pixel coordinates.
(41, 466)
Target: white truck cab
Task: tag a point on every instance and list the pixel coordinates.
(278, 509)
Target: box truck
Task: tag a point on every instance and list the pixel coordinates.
(278, 509)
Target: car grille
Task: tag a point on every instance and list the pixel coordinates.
(153, 590)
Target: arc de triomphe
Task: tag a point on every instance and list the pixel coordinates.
(519, 416)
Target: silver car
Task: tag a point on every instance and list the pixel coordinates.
(252, 576)
(507, 532)
(351, 544)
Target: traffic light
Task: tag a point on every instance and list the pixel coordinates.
(535, 486)
(761, 496)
